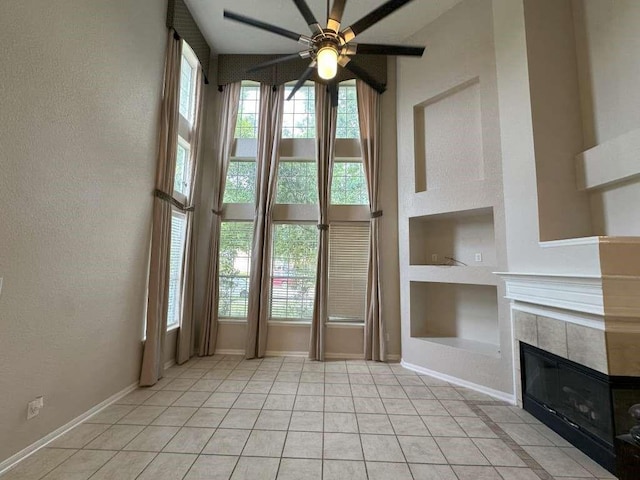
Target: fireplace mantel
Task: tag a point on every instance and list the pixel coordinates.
(601, 295)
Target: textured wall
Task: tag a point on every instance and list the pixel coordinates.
(79, 89)
(448, 114)
(609, 71)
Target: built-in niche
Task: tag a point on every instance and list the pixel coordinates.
(458, 315)
(463, 238)
(448, 138)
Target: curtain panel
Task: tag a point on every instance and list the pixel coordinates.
(228, 118)
(158, 298)
(269, 133)
(326, 119)
(185, 345)
(369, 120)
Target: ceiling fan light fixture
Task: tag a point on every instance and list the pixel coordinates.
(327, 58)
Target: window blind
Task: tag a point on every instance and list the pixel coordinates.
(176, 256)
(348, 264)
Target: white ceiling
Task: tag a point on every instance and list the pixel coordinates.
(225, 36)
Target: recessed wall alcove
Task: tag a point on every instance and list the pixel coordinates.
(448, 138)
(459, 315)
(467, 236)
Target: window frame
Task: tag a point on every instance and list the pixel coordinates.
(297, 150)
(175, 213)
(230, 319)
(185, 139)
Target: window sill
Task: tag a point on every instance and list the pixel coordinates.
(173, 327)
(293, 323)
(232, 321)
(344, 324)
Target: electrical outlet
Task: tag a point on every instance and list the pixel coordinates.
(434, 257)
(478, 257)
(33, 408)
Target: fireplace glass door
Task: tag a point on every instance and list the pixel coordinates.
(581, 399)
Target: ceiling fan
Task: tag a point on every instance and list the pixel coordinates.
(329, 47)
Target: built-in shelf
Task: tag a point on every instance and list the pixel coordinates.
(453, 274)
(461, 238)
(464, 344)
(466, 312)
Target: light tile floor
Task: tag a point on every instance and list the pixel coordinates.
(223, 417)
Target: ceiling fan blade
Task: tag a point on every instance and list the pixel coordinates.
(372, 18)
(376, 49)
(305, 76)
(275, 61)
(308, 15)
(266, 26)
(335, 17)
(363, 75)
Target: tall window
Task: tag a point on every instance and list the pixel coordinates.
(239, 198)
(295, 215)
(235, 265)
(293, 271)
(247, 123)
(182, 183)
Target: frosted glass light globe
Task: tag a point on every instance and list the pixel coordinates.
(327, 59)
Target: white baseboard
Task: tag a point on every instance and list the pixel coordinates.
(503, 396)
(229, 351)
(44, 441)
(273, 353)
(344, 356)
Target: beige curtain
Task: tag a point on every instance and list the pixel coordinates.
(369, 118)
(184, 348)
(269, 133)
(325, 149)
(228, 117)
(157, 301)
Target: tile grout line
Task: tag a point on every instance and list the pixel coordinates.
(528, 460)
(272, 374)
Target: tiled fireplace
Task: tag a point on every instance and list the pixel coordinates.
(586, 407)
(576, 346)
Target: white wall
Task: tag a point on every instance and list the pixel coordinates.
(563, 210)
(518, 153)
(526, 108)
(79, 89)
(608, 46)
(448, 121)
(608, 43)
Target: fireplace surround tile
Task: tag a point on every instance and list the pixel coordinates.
(552, 336)
(587, 346)
(526, 328)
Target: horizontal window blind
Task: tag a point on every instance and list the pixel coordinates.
(348, 264)
(176, 257)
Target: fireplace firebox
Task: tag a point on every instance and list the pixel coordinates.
(585, 407)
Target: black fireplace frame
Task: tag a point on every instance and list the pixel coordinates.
(595, 447)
